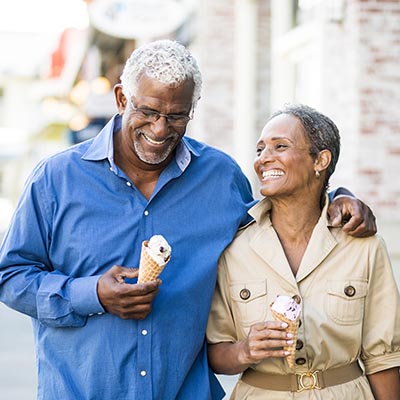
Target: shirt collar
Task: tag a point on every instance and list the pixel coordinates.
(102, 146)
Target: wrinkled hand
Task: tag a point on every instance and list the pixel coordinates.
(265, 340)
(127, 301)
(355, 216)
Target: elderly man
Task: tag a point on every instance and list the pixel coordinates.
(77, 231)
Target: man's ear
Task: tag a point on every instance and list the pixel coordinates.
(323, 160)
(120, 99)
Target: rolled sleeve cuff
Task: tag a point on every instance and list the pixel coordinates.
(381, 363)
(84, 299)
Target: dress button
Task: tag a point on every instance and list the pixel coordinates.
(144, 332)
(299, 344)
(143, 373)
(300, 323)
(297, 298)
(146, 213)
(244, 294)
(300, 361)
(129, 184)
(350, 291)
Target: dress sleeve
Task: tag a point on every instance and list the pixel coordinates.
(221, 327)
(381, 330)
(29, 283)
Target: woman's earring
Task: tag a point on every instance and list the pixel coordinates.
(317, 174)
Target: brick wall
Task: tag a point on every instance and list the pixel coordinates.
(215, 45)
(362, 93)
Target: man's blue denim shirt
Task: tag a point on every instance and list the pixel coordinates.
(77, 217)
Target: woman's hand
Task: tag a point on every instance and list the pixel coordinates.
(265, 340)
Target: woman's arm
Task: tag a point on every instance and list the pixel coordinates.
(261, 343)
(385, 384)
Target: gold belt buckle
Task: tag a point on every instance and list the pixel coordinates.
(307, 381)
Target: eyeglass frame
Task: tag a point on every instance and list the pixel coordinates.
(155, 116)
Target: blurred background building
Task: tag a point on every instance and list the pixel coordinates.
(342, 57)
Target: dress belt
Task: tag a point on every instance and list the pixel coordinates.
(302, 381)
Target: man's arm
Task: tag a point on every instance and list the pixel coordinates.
(355, 217)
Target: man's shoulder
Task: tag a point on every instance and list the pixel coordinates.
(60, 160)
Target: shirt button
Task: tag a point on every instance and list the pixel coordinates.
(299, 344)
(297, 298)
(300, 323)
(300, 361)
(146, 213)
(143, 373)
(129, 184)
(144, 332)
(349, 291)
(244, 294)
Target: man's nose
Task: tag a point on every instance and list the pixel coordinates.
(160, 127)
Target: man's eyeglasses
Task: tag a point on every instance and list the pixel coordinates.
(178, 120)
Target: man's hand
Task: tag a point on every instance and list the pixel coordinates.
(127, 301)
(355, 216)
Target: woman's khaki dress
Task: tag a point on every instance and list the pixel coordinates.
(336, 329)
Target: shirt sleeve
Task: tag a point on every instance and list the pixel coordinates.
(29, 283)
(221, 325)
(340, 191)
(381, 330)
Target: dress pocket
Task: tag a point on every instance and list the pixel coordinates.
(346, 300)
(250, 300)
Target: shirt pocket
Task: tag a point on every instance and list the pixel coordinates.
(250, 300)
(346, 300)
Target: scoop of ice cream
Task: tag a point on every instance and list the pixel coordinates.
(159, 249)
(286, 306)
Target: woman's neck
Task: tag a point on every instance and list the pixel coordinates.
(294, 224)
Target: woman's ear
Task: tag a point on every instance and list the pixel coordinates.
(323, 160)
(120, 99)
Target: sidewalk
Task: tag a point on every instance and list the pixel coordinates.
(17, 358)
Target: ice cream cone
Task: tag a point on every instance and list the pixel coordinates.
(149, 269)
(292, 328)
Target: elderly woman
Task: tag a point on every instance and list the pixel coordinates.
(345, 286)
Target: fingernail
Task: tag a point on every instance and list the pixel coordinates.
(289, 341)
(284, 325)
(289, 335)
(287, 353)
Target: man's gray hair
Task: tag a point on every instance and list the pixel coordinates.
(166, 61)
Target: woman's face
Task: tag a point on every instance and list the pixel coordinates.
(283, 163)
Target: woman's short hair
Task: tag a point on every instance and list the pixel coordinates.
(167, 61)
(320, 132)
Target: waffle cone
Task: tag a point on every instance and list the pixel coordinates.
(149, 269)
(292, 328)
